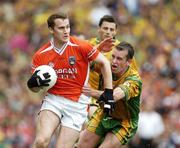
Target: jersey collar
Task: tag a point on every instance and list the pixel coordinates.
(62, 49)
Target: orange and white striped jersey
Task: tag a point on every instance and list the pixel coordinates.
(71, 64)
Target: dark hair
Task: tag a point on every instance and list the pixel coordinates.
(107, 18)
(126, 46)
(50, 20)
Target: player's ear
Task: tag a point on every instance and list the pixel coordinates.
(129, 62)
(51, 30)
(115, 31)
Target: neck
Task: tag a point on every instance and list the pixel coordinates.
(124, 70)
(58, 44)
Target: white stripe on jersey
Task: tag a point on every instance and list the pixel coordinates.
(83, 98)
(61, 50)
(47, 49)
(92, 52)
(64, 47)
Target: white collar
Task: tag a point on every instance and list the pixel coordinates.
(61, 50)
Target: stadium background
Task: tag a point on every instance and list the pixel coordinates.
(152, 26)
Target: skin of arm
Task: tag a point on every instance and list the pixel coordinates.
(105, 70)
(35, 89)
(118, 94)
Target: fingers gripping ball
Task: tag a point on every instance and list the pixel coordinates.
(44, 71)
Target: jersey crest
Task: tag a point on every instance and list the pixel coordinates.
(72, 60)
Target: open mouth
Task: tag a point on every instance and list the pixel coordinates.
(66, 36)
(113, 67)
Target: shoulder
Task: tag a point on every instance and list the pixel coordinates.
(117, 42)
(43, 52)
(94, 41)
(44, 47)
(79, 42)
(133, 74)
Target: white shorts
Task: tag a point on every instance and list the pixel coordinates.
(71, 114)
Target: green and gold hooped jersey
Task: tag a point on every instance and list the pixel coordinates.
(131, 83)
(94, 75)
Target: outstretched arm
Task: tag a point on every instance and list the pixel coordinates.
(105, 70)
(89, 91)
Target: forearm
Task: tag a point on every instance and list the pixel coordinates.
(105, 70)
(96, 93)
(118, 94)
(107, 75)
(88, 91)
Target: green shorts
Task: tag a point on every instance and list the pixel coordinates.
(101, 125)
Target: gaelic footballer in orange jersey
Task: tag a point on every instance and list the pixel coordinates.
(70, 63)
(64, 105)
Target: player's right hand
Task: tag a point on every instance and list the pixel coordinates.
(36, 81)
(106, 45)
(108, 100)
(109, 107)
(106, 95)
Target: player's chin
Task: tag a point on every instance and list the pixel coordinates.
(65, 39)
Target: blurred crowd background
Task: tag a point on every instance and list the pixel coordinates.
(151, 26)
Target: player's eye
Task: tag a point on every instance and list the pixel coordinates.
(111, 29)
(105, 28)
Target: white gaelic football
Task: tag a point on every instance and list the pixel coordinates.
(47, 69)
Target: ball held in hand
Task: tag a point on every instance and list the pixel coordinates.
(45, 70)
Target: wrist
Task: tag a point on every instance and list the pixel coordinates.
(108, 90)
(97, 94)
(98, 47)
(35, 89)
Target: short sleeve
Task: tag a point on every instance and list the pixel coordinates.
(89, 51)
(35, 62)
(132, 88)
